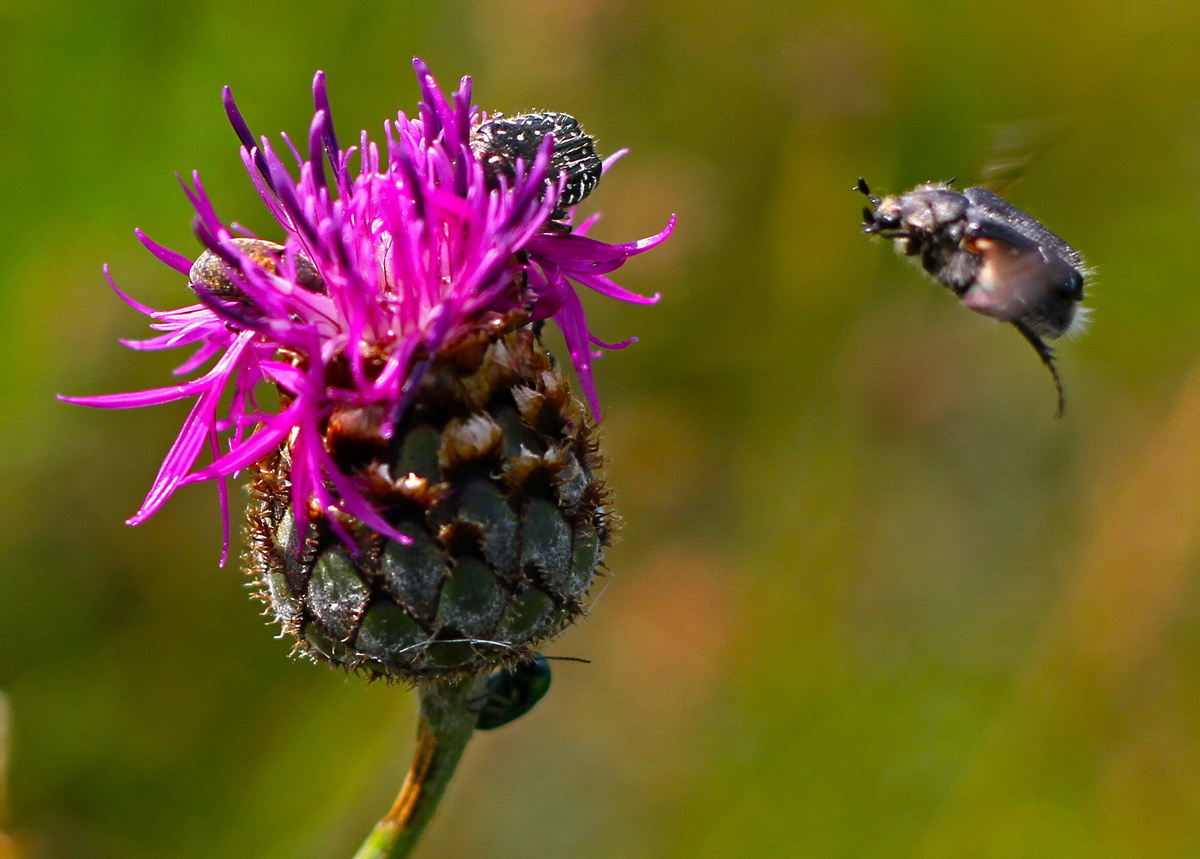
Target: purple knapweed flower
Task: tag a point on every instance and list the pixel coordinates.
(405, 298)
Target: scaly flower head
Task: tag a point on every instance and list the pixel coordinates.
(419, 424)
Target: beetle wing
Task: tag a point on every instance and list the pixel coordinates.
(1014, 147)
(991, 216)
(1019, 280)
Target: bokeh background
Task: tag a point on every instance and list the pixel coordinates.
(871, 598)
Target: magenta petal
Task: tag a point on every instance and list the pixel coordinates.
(141, 308)
(607, 287)
(174, 259)
(137, 399)
(572, 323)
(179, 459)
(253, 449)
(629, 341)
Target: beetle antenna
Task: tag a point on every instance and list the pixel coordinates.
(863, 188)
(1047, 356)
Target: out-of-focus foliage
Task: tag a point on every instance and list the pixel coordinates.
(871, 598)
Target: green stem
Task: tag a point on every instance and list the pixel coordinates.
(447, 722)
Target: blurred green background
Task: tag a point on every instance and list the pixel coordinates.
(870, 599)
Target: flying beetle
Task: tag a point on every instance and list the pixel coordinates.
(998, 260)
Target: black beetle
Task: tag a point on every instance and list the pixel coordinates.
(998, 260)
(501, 141)
(513, 692)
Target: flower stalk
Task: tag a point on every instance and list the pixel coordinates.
(447, 721)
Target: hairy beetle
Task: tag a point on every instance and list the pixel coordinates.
(210, 274)
(502, 141)
(998, 260)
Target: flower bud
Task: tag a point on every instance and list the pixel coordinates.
(493, 479)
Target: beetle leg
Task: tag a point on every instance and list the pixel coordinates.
(1047, 356)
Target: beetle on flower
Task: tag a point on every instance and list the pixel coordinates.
(427, 498)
